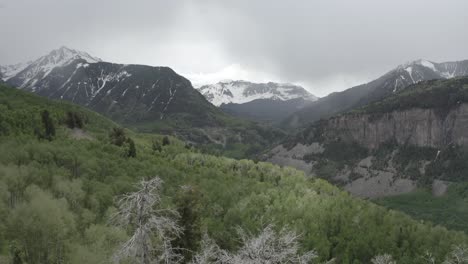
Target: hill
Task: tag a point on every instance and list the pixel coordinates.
(57, 194)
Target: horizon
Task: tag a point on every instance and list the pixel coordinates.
(322, 46)
(199, 80)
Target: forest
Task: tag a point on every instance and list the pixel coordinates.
(77, 188)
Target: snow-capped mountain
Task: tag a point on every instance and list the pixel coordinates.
(392, 82)
(126, 93)
(9, 71)
(258, 101)
(240, 92)
(27, 74)
(422, 70)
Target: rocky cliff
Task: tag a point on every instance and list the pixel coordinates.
(416, 137)
(418, 127)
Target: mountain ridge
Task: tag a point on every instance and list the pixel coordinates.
(391, 82)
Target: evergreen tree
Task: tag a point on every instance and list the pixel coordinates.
(48, 125)
(131, 152)
(156, 146)
(188, 207)
(166, 141)
(117, 136)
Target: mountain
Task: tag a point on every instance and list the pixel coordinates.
(258, 101)
(127, 93)
(392, 82)
(59, 197)
(239, 92)
(412, 137)
(143, 97)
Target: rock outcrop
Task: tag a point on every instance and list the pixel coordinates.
(419, 127)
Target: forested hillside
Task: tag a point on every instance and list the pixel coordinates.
(63, 168)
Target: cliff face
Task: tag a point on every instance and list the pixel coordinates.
(418, 127)
(402, 149)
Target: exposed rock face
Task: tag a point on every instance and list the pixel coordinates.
(294, 157)
(439, 188)
(419, 127)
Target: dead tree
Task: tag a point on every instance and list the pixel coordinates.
(152, 228)
(268, 247)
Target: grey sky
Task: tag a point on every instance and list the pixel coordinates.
(324, 45)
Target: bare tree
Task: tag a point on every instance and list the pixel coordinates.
(429, 258)
(266, 248)
(459, 255)
(209, 253)
(152, 228)
(383, 259)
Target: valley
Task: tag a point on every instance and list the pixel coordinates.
(233, 132)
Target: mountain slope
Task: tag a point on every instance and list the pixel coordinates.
(60, 194)
(265, 110)
(258, 101)
(393, 81)
(126, 93)
(143, 97)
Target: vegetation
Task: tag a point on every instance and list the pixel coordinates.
(215, 132)
(56, 197)
(450, 210)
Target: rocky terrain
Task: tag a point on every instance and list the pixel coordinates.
(389, 147)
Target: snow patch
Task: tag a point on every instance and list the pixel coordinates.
(427, 64)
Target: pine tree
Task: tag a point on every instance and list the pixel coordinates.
(48, 125)
(131, 153)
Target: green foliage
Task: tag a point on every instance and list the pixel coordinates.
(74, 120)
(189, 208)
(56, 197)
(20, 114)
(117, 136)
(156, 146)
(450, 210)
(42, 227)
(166, 141)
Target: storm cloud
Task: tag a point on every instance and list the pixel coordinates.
(324, 45)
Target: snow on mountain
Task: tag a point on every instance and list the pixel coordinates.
(239, 92)
(421, 70)
(9, 71)
(28, 73)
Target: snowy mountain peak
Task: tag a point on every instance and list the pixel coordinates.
(64, 55)
(421, 70)
(56, 58)
(61, 57)
(239, 92)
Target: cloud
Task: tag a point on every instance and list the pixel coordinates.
(324, 45)
(230, 72)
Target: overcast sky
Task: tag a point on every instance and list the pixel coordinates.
(325, 46)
